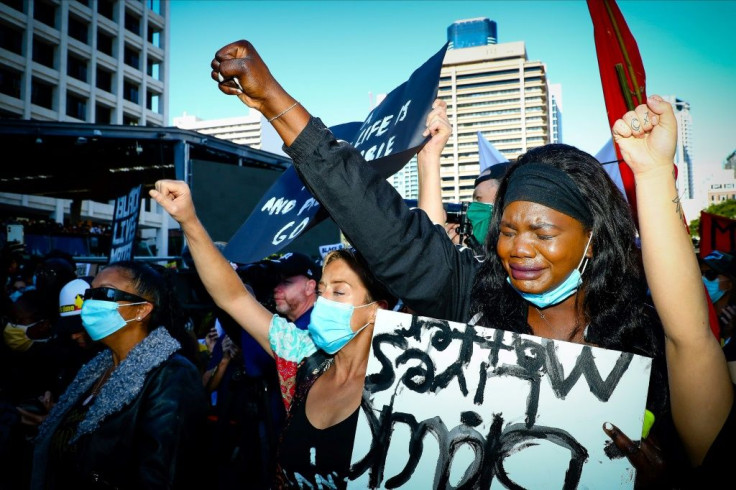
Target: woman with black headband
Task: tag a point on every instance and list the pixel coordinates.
(562, 260)
(134, 416)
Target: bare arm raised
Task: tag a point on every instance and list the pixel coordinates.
(700, 386)
(218, 277)
(428, 163)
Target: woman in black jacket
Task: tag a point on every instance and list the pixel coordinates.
(134, 415)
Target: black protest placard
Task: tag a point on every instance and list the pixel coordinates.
(392, 132)
(125, 225)
(284, 213)
(389, 137)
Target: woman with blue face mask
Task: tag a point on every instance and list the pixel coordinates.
(321, 370)
(135, 414)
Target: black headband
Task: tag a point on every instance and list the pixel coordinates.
(548, 186)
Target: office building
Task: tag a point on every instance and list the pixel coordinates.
(471, 32)
(555, 113)
(94, 61)
(87, 83)
(406, 180)
(495, 89)
(252, 130)
(684, 152)
(98, 61)
(720, 187)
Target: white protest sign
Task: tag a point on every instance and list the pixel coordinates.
(448, 405)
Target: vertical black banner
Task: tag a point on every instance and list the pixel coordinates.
(125, 225)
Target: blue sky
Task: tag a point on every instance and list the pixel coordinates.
(332, 55)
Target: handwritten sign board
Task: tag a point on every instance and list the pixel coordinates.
(448, 405)
(125, 225)
(388, 138)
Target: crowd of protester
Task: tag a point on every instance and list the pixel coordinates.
(37, 226)
(109, 381)
(49, 357)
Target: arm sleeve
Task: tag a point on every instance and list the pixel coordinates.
(412, 257)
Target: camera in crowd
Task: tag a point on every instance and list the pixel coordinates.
(458, 213)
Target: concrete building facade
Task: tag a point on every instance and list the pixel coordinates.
(103, 65)
(497, 90)
(684, 152)
(252, 130)
(85, 61)
(95, 61)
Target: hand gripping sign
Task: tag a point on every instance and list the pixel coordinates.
(389, 137)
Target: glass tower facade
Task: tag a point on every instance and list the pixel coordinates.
(472, 32)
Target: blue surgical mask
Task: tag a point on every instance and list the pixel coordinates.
(101, 318)
(329, 324)
(714, 289)
(564, 290)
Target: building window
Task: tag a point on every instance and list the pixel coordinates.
(153, 102)
(130, 120)
(104, 43)
(11, 39)
(43, 52)
(105, 8)
(154, 6)
(78, 29)
(76, 106)
(154, 36)
(44, 12)
(76, 68)
(10, 81)
(42, 93)
(103, 114)
(15, 4)
(130, 91)
(132, 58)
(132, 23)
(153, 69)
(104, 79)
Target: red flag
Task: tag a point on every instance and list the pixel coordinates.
(716, 233)
(622, 74)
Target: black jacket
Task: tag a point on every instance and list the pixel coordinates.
(433, 278)
(145, 429)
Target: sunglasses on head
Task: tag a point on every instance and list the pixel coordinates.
(110, 294)
(710, 274)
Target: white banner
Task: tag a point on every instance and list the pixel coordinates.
(449, 405)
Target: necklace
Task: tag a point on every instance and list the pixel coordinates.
(544, 318)
(98, 385)
(572, 334)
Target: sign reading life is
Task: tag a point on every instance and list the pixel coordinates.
(388, 138)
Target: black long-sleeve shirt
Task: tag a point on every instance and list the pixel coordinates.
(413, 257)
